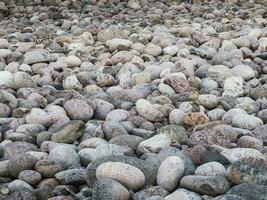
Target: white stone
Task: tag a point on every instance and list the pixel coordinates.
(154, 144)
(128, 175)
(170, 172)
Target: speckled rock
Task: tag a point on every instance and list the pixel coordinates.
(130, 176)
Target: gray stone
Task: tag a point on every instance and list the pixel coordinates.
(130, 176)
(144, 194)
(207, 185)
(71, 176)
(64, 155)
(105, 189)
(70, 132)
(32, 57)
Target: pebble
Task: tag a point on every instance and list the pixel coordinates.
(109, 189)
(154, 144)
(69, 133)
(238, 153)
(130, 176)
(245, 121)
(183, 194)
(6, 78)
(248, 170)
(170, 172)
(176, 117)
(31, 177)
(150, 192)
(214, 185)
(142, 100)
(211, 169)
(64, 155)
(71, 176)
(32, 57)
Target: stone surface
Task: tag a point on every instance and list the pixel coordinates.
(170, 172)
(130, 176)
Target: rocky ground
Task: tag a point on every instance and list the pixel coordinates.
(133, 100)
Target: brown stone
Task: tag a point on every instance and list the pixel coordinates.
(179, 84)
(196, 118)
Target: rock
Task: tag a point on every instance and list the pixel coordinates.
(260, 133)
(183, 194)
(70, 132)
(216, 114)
(228, 197)
(170, 172)
(262, 44)
(104, 80)
(64, 155)
(208, 185)
(72, 83)
(145, 109)
(26, 194)
(208, 84)
(148, 168)
(228, 117)
(130, 176)
(4, 168)
(246, 121)
(73, 61)
(78, 110)
(71, 176)
(238, 153)
(102, 108)
(195, 118)
(121, 57)
(107, 150)
(259, 92)
(45, 117)
(48, 168)
(4, 53)
(244, 71)
(218, 72)
(170, 50)
(133, 4)
(6, 78)
(179, 84)
(248, 170)
(208, 100)
(4, 110)
(113, 129)
(171, 151)
(152, 50)
(176, 117)
(249, 142)
(31, 177)
(211, 169)
(18, 185)
(20, 162)
(15, 148)
(150, 192)
(22, 80)
(110, 33)
(249, 191)
(91, 143)
(32, 57)
(117, 115)
(109, 189)
(154, 144)
(131, 141)
(118, 43)
(177, 133)
(221, 135)
(233, 86)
